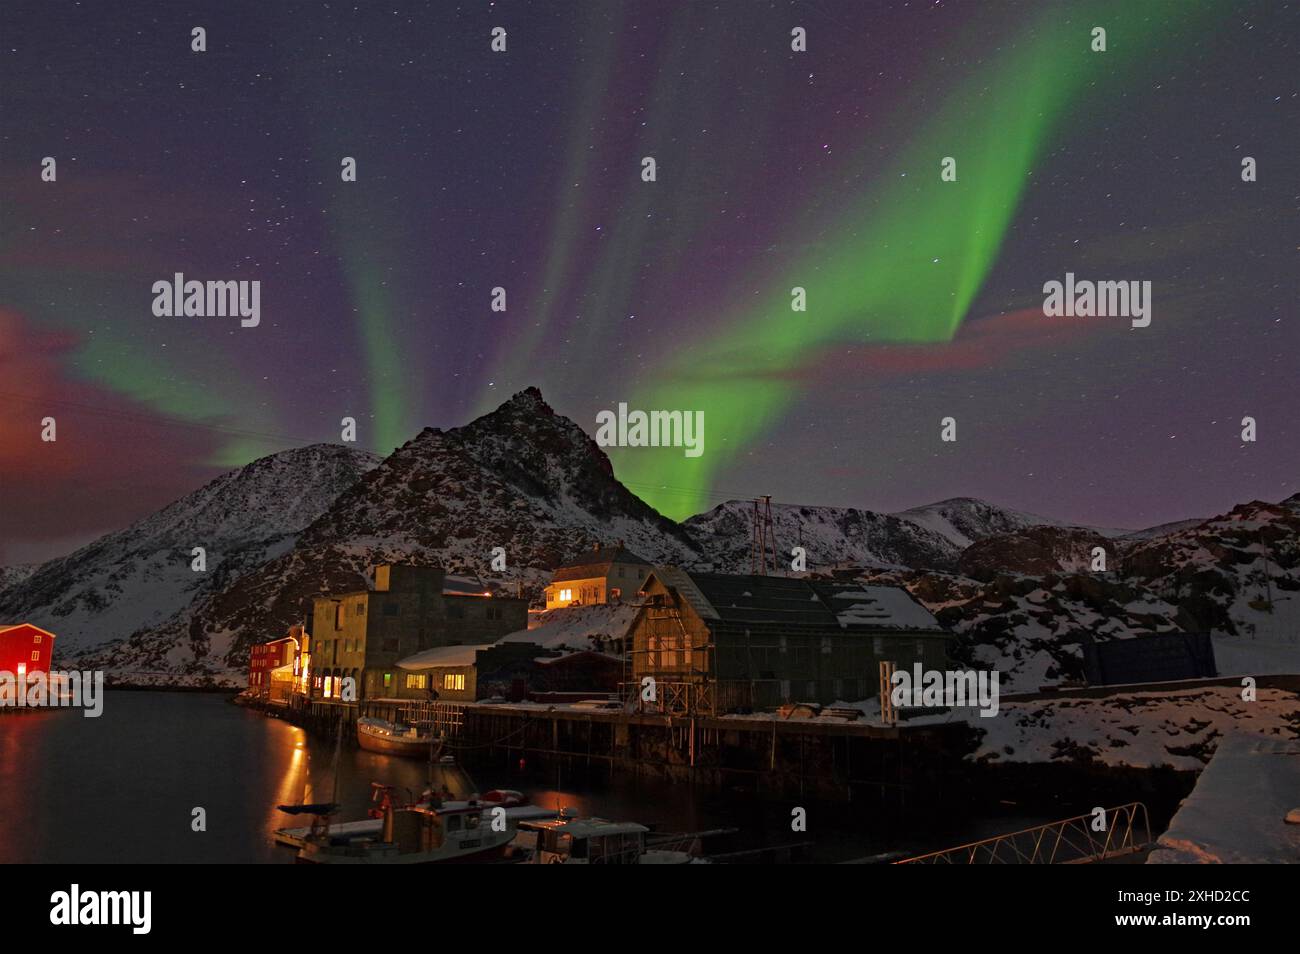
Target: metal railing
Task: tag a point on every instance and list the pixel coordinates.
(1069, 841)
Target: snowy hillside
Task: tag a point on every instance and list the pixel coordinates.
(1031, 629)
(832, 536)
(139, 576)
(964, 520)
(13, 575)
(522, 478)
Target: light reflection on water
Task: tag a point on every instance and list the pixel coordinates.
(121, 788)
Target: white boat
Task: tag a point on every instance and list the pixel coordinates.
(592, 841)
(392, 738)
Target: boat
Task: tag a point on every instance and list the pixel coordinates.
(592, 841)
(391, 738)
(432, 833)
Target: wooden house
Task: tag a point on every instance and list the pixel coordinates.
(716, 643)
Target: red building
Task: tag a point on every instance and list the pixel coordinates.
(25, 648)
(264, 657)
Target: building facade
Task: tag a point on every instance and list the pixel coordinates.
(363, 633)
(601, 575)
(25, 649)
(266, 659)
(511, 671)
(719, 643)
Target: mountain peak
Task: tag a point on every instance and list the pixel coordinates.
(527, 401)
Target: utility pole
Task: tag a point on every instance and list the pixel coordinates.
(763, 532)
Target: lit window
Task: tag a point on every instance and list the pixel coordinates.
(454, 681)
(329, 686)
(415, 682)
(37, 639)
(566, 595)
(388, 679)
(36, 654)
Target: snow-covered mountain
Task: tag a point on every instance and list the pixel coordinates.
(1017, 589)
(832, 536)
(521, 478)
(15, 574)
(1236, 574)
(137, 577)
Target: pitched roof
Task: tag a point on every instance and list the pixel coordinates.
(5, 629)
(787, 601)
(596, 562)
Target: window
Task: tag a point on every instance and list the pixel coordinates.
(877, 645)
(454, 681)
(494, 612)
(338, 615)
(616, 594)
(329, 686)
(361, 608)
(37, 639)
(36, 654)
(826, 645)
(566, 595)
(388, 679)
(416, 682)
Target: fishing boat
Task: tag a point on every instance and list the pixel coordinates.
(392, 738)
(438, 832)
(384, 797)
(592, 841)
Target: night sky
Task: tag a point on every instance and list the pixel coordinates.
(522, 169)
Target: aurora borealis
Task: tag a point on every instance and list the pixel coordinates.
(776, 169)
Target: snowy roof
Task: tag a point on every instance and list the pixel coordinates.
(889, 607)
(463, 585)
(596, 562)
(574, 626)
(443, 656)
(793, 601)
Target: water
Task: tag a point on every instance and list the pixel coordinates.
(122, 788)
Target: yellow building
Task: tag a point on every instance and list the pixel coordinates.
(601, 575)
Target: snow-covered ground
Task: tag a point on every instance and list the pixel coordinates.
(1179, 729)
(1236, 812)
